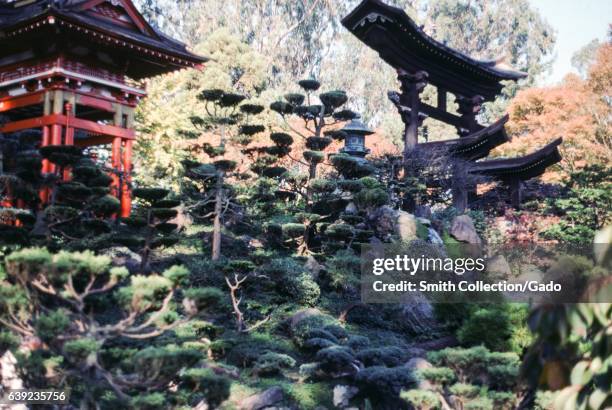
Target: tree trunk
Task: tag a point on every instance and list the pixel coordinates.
(216, 242)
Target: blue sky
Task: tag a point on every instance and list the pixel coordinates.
(576, 23)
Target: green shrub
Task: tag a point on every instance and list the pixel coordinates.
(464, 390)
(438, 375)
(358, 342)
(302, 289)
(384, 384)
(153, 401)
(503, 376)
(272, 363)
(468, 364)
(205, 298)
(488, 326)
(422, 399)
(302, 330)
(335, 359)
(337, 331)
(316, 343)
(389, 356)
(8, 341)
(320, 334)
(480, 403)
(502, 399)
(343, 269)
(214, 388)
(245, 352)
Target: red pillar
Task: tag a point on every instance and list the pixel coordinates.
(69, 137)
(56, 139)
(46, 165)
(116, 165)
(126, 197)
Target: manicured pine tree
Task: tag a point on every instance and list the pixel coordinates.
(148, 227)
(318, 118)
(210, 195)
(80, 208)
(113, 340)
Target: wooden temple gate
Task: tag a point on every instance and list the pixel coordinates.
(73, 71)
(420, 61)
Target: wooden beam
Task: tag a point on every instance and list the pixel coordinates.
(77, 123)
(95, 102)
(441, 115)
(94, 140)
(11, 103)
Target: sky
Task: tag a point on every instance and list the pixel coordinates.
(576, 23)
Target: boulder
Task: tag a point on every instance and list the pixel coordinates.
(313, 267)
(463, 230)
(498, 267)
(265, 399)
(351, 208)
(417, 313)
(406, 226)
(122, 256)
(385, 220)
(343, 394)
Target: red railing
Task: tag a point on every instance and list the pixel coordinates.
(17, 72)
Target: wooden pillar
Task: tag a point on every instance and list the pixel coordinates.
(69, 137)
(460, 199)
(116, 153)
(411, 86)
(516, 192)
(469, 109)
(126, 195)
(116, 166)
(56, 130)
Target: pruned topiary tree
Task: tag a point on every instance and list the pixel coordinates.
(105, 335)
(79, 207)
(148, 227)
(210, 196)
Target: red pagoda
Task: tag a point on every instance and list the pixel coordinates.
(421, 60)
(72, 70)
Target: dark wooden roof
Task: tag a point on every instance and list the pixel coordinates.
(116, 22)
(404, 45)
(526, 167)
(474, 146)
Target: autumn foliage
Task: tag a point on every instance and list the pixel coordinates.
(577, 110)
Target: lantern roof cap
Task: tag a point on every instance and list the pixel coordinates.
(356, 126)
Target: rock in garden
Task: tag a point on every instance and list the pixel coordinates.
(406, 226)
(267, 398)
(343, 394)
(463, 230)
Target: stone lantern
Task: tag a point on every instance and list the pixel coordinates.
(354, 142)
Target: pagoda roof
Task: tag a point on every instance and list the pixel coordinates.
(474, 146)
(116, 21)
(523, 168)
(404, 45)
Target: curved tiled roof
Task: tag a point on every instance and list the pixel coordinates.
(14, 15)
(474, 146)
(525, 167)
(403, 44)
